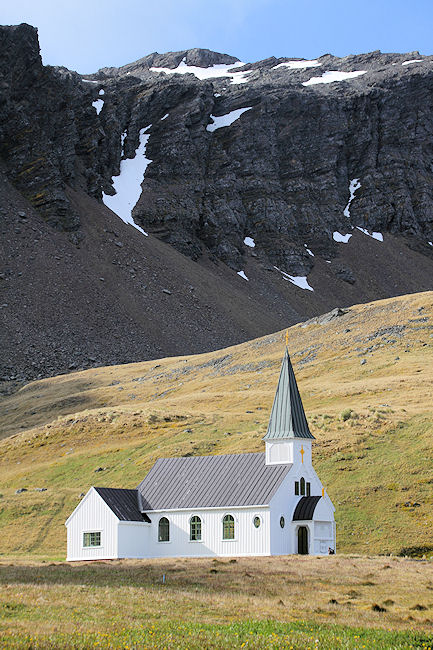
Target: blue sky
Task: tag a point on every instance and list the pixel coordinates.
(85, 35)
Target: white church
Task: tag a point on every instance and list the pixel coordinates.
(270, 503)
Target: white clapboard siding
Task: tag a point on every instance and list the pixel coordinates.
(324, 527)
(248, 539)
(282, 505)
(92, 515)
(133, 539)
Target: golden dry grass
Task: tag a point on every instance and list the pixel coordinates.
(94, 597)
(375, 464)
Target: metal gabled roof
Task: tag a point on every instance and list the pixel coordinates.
(305, 508)
(287, 416)
(211, 482)
(124, 503)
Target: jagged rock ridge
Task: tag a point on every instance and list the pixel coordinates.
(279, 174)
(296, 173)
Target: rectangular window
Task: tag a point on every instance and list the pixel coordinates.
(91, 539)
(297, 487)
(308, 489)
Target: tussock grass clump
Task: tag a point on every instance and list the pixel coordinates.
(417, 551)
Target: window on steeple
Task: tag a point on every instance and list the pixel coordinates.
(303, 486)
(297, 487)
(308, 489)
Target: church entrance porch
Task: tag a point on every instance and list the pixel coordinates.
(302, 540)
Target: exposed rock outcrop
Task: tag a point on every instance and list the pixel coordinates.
(280, 173)
(272, 196)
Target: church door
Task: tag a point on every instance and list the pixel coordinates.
(302, 540)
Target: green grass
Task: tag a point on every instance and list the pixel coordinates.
(373, 480)
(245, 634)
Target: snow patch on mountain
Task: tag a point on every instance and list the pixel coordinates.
(310, 252)
(164, 118)
(242, 274)
(97, 105)
(412, 61)
(343, 239)
(333, 75)
(128, 183)
(249, 241)
(374, 235)
(298, 65)
(240, 77)
(227, 119)
(212, 72)
(298, 280)
(353, 186)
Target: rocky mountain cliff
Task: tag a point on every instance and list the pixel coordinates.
(275, 170)
(282, 172)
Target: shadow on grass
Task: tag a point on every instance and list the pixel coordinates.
(111, 573)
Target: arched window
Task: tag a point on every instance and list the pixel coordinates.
(163, 530)
(303, 486)
(228, 527)
(195, 529)
(297, 488)
(308, 489)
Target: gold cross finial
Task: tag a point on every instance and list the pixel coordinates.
(287, 338)
(302, 453)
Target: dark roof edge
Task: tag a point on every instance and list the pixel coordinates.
(100, 492)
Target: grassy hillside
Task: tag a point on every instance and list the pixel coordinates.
(366, 382)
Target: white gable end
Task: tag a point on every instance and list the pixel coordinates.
(92, 515)
(90, 495)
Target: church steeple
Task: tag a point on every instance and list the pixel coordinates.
(288, 436)
(287, 416)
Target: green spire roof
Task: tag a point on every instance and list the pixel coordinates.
(287, 416)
